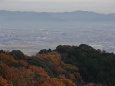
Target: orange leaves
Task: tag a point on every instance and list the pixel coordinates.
(54, 59)
(68, 82)
(55, 82)
(90, 84)
(7, 59)
(50, 82)
(39, 70)
(23, 62)
(9, 73)
(3, 82)
(21, 73)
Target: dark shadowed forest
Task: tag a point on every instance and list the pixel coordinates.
(65, 66)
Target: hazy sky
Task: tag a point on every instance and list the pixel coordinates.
(101, 6)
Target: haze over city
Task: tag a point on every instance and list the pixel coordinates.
(99, 6)
(52, 22)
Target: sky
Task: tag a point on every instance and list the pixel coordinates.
(99, 6)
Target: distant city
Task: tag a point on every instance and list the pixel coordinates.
(32, 36)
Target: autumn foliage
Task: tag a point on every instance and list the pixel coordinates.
(21, 73)
(65, 66)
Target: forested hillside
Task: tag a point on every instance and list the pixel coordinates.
(65, 66)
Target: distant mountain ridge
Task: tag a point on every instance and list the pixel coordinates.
(59, 16)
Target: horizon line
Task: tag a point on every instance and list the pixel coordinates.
(53, 12)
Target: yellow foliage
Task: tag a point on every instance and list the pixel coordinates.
(70, 68)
